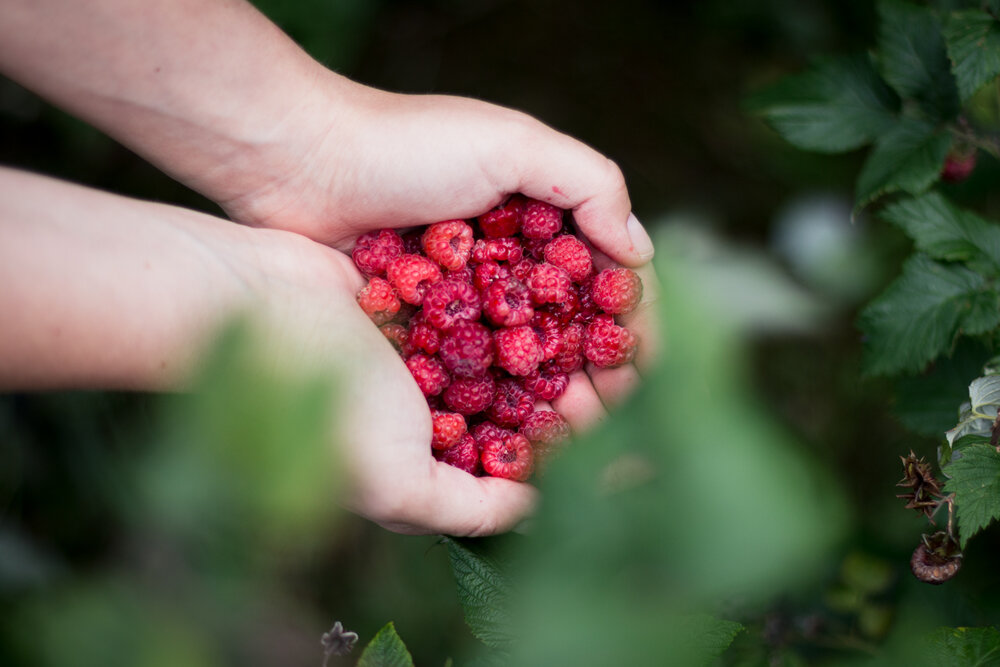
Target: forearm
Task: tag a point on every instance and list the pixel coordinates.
(201, 89)
(102, 291)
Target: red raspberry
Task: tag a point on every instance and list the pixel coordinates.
(540, 220)
(467, 349)
(616, 291)
(549, 283)
(607, 344)
(504, 220)
(549, 332)
(484, 274)
(411, 275)
(571, 359)
(413, 242)
(449, 427)
(522, 269)
(450, 301)
(548, 383)
(545, 430)
(429, 373)
(422, 336)
(958, 166)
(374, 250)
(509, 457)
(507, 303)
(565, 310)
(518, 350)
(397, 335)
(511, 404)
(469, 395)
(448, 243)
(379, 300)
(535, 248)
(498, 250)
(464, 455)
(463, 275)
(571, 254)
(486, 430)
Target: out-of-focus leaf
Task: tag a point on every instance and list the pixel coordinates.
(386, 649)
(964, 647)
(912, 57)
(484, 591)
(907, 158)
(944, 231)
(975, 481)
(918, 317)
(836, 105)
(973, 40)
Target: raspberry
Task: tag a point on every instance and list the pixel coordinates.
(616, 291)
(485, 430)
(411, 275)
(548, 383)
(522, 269)
(463, 275)
(449, 302)
(511, 404)
(467, 349)
(509, 456)
(429, 373)
(607, 344)
(464, 455)
(504, 220)
(507, 303)
(549, 284)
(518, 350)
(374, 250)
(422, 336)
(413, 242)
(566, 309)
(469, 395)
(449, 427)
(448, 243)
(545, 430)
(571, 358)
(535, 248)
(484, 274)
(540, 220)
(498, 250)
(958, 165)
(379, 300)
(549, 332)
(569, 253)
(397, 335)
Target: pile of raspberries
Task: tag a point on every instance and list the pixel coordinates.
(492, 315)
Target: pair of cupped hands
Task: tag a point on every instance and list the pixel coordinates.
(406, 161)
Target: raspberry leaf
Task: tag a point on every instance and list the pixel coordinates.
(837, 105)
(979, 412)
(975, 481)
(973, 42)
(386, 649)
(907, 158)
(920, 315)
(483, 590)
(964, 646)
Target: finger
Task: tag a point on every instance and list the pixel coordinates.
(614, 385)
(580, 404)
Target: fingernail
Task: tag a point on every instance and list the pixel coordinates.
(641, 243)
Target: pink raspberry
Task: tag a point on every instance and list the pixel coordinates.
(467, 349)
(463, 275)
(571, 254)
(507, 303)
(498, 250)
(535, 248)
(449, 301)
(509, 457)
(540, 220)
(606, 344)
(469, 395)
(422, 336)
(549, 332)
(511, 404)
(464, 455)
(518, 350)
(379, 300)
(397, 335)
(504, 220)
(449, 427)
(412, 275)
(522, 269)
(548, 383)
(484, 274)
(549, 284)
(545, 430)
(616, 291)
(429, 372)
(571, 359)
(448, 243)
(374, 250)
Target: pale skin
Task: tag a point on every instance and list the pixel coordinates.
(111, 292)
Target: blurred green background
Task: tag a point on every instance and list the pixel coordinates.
(655, 86)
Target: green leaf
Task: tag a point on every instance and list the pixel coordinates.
(975, 481)
(912, 57)
(944, 231)
(964, 647)
(908, 158)
(836, 105)
(386, 649)
(973, 41)
(483, 591)
(920, 314)
(978, 413)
